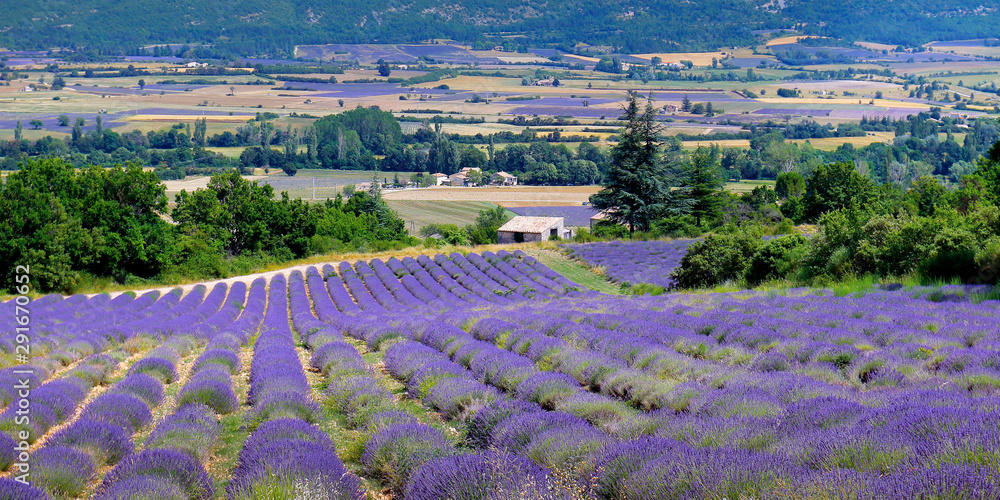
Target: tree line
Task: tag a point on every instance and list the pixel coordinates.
(76, 227)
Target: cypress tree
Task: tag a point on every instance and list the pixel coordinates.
(636, 189)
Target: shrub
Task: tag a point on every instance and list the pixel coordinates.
(142, 386)
(123, 410)
(61, 470)
(192, 429)
(775, 259)
(158, 367)
(106, 443)
(393, 454)
(717, 259)
(215, 394)
(175, 467)
(479, 477)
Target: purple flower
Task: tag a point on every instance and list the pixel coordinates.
(491, 475)
(193, 429)
(547, 388)
(395, 452)
(145, 486)
(289, 455)
(515, 433)
(455, 396)
(141, 385)
(337, 357)
(486, 420)
(106, 443)
(15, 490)
(283, 405)
(61, 470)
(123, 410)
(215, 394)
(613, 464)
(218, 356)
(293, 469)
(160, 368)
(176, 467)
(7, 453)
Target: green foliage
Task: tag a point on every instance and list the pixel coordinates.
(719, 258)
(836, 186)
(790, 185)
(776, 258)
(484, 231)
(607, 230)
(452, 234)
(105, 27)
(350, 139)
(679, 226)
(642, 289)
(928, 195)
(702, 185)
(75, 226)
(64, 223)
(636, 190)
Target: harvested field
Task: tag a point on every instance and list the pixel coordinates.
(418, 214)
(698, 58)
(832, 143)
(727, 143)
(504, 196)
(784, 40)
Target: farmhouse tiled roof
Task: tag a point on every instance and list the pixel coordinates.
(505, 175)
(523, 224)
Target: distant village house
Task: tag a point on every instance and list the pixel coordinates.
(504, 179)
(521, 229)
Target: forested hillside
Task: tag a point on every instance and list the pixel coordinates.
(258, 27)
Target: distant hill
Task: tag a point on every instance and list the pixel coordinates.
(274, 27)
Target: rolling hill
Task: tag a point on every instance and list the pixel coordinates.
(274, 27)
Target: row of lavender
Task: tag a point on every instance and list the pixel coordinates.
(442, 283)
(567, 394)
(633, 262)
(63, 464)
(889, 395)
(912, 414)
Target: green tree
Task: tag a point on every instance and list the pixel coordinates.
(484, 231)
(383, 68)
(69, 222)
(928, 195)
(835, 186)
(36, 124)
(473, 157)
(230, 210)
(18, 131)
(200, 128)
(790, 185)
(702, 185)
(63, 120)
(636, 190)
(686, 104)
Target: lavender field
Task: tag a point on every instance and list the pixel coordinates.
(633, 262)
(489, 376)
